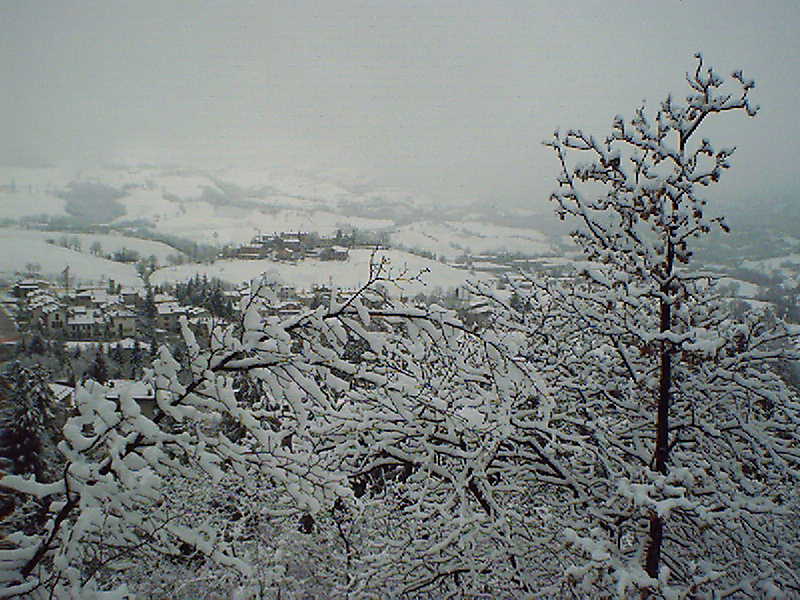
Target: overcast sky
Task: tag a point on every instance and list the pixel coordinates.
(443, 97)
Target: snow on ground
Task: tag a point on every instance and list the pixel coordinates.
(743, 289)
(759, 305)
(320, 221)
(208, 224)
(183, 183)
(279, 200)
(344, 274)
(453, 238)
(19, 247)
(36, 178)
(28, 203)
(286, 183)
(109, 243)
(150, 204)
(785, 265)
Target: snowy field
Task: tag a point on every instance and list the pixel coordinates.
(783, 265)
(18, 248)
(209, 224)
(452, 239)
(232, 205)
(25, 203)
(109, 243)
(344, 274)
(744, 289)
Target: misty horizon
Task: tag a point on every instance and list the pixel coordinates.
(447, 100)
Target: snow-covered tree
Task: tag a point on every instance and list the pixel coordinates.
(613, 435)
(688, 437)
(98, 369)
(325, 437)
(29, 421)
(29, 424)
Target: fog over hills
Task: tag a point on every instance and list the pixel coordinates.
(231, 203)
(113, 208)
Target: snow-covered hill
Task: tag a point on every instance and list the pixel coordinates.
(108, 243)
(232, 205)
(20, 248)
(344, 274)
(453, 238)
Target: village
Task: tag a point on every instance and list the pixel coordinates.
(108, 333)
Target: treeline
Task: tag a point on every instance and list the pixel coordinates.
(206, 293)
(188, 250)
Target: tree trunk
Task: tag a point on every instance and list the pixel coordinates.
(661, 454)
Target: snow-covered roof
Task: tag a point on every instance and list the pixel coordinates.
(61, 392)
(32, 283)
(84, 319)
(51, 307)
(159, 298)
(170, 308)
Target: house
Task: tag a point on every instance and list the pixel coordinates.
(87, 324)
(293, 241)
(288, 309)
(252, 252)
(23, 287)
(63, 394)
(160, 298)
(95, 298)
(168, 315)
(285, 292)
(122, 323)
(127, 347)
(47, 312)
(335, 253)
(130, 296)
(288, 254)
(52, 318)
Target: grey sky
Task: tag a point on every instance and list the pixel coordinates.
(444, 97)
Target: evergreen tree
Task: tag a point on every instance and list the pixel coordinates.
(115, 354)
(28, 421)
(98, 370)
(37, 345)
(136, 359)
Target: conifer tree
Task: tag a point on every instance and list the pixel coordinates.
(29, 421)
(98, 370)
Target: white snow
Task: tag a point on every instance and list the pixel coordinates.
(744, 289)
(785, 265)
(19, 247)
(26, 203)
(452, 239)
(344, 274)
(109, 243)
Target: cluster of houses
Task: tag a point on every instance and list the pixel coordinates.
(97, 314)
(94, 314)
(88, 314)
(294, 246)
